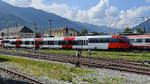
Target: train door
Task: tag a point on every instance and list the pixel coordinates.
(18, 43)
(68, 42)
(39, 42)
(6, 43)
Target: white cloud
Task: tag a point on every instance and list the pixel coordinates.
(147, 0)
(102, 14)
(20, 3)
(132, 16)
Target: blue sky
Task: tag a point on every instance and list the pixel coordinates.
(110, 13)
(82, 4)
(86, 4)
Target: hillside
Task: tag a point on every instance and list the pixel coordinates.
(145, 24)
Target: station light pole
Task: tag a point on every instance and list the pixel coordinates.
(50, 26)
(35, 28)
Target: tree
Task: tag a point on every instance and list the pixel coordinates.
(141, 31)
(38, 35)
(127, 30)
(138, 30)
(84, 32)
(99, 33)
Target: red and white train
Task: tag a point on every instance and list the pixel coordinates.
(140, 41)
(79, 42)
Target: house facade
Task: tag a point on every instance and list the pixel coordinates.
(16, 32)
(61, 32)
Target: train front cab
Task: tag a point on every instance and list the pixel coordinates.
(119, 42)
(109, 42)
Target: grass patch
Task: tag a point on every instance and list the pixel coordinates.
(106, 54)
(40, 68)
(125, 55)
(73, 52)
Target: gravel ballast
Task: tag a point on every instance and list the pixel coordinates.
(102, 75)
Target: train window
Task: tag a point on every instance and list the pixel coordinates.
(55, 42)
(75, 43)
(50, 42)
(37, 42)
(86, 42)
(6, 41)
(61, 42)
(138, 40)
(120, 40)
(116, 40)
(98, 40)
(13, 42)
(45, 42)
(41, 42)
(92, 40)
(70, 42)
(32, 42)
(147, 40)
(26, 42)
(106, 40)
(113, 40)
(19, 42)
(81, 42)
(132, 40)
(78, 42)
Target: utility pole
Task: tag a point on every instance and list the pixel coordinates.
(7, 31)
(35, 28)
(67, 37)
(50, 27)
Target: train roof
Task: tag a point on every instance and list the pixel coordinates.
(138, 36)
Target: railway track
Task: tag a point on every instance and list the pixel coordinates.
(20, 76)
(104, 63)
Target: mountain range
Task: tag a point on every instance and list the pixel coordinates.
(11, 15)
(145, 25)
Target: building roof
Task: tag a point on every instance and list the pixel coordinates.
(58, 29)
(18, 29)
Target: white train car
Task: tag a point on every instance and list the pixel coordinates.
(26, 43)
(55, 42)
(9, 42)
(140, 41)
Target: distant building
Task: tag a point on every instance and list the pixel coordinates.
(16, 32)
(61, 32)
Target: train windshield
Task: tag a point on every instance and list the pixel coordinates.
(126, 38)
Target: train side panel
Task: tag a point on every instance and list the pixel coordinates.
(80, 43)
(120, 42)
(140, 41)
(98, 42)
